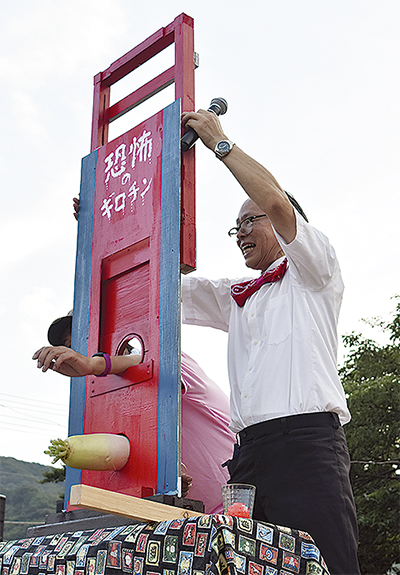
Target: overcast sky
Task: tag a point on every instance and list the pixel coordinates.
(313, 94)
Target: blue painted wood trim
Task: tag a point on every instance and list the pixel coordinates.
(80, 322)
(169, 351)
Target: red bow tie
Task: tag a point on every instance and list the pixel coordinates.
(240, 292)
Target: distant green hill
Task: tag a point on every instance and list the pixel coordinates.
(27, 499)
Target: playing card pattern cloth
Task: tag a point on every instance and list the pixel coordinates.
(205, 545)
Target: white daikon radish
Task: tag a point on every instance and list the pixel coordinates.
(94, 451)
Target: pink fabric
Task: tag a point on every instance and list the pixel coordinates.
(206, 440)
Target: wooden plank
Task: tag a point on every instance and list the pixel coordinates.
(184, 89)
(169, 389)
(80, 324)
(97, 499)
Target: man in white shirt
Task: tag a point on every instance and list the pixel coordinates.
(287, 402)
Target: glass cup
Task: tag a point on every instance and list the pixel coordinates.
(238, 499)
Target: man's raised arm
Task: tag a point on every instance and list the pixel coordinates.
(257, 181)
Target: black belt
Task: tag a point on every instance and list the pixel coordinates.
(285, 424)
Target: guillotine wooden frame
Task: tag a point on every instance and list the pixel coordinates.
(179, 33)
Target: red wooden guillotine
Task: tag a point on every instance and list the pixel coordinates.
(136, 232)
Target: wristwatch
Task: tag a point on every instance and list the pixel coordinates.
(223, 148)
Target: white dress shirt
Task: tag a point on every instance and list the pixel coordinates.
(282, 344)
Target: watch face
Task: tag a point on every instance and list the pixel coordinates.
(223, 147)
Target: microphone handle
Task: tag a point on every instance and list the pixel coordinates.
(188, 139)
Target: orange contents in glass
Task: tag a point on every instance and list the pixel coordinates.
(239, 510)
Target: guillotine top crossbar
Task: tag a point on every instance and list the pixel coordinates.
(138, 55)
(180, 32)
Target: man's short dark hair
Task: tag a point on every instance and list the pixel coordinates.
(296, 205)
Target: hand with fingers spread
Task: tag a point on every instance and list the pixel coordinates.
(68, 362)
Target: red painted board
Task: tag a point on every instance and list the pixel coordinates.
(125, 298)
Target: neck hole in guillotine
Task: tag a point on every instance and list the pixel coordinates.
(131, 344)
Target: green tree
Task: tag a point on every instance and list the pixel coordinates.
(28, 500)
(371, 377)
(55, 475)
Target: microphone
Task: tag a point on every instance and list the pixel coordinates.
(219, 106)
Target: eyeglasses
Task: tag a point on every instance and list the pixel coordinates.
(245, 225)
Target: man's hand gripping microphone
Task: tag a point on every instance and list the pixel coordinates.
(219, 106)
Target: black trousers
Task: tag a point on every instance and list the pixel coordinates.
(300, 466)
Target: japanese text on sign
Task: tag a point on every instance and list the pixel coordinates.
(121, 164)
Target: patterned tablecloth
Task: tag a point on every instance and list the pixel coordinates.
(205, 545)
